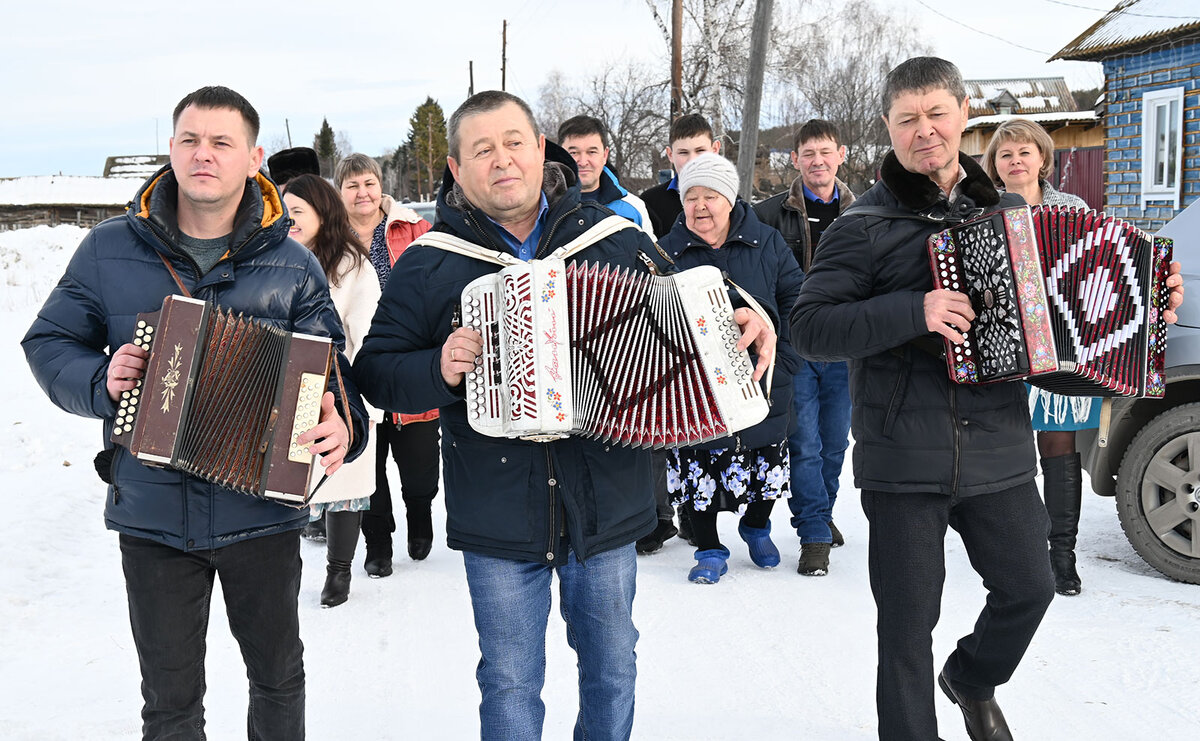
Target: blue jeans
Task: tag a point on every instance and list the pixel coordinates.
(821, 401)
(511, 601)
(169, 592)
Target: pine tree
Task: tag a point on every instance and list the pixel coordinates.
(326, 147)
(427, 145)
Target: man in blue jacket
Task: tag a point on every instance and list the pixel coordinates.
(211, 225)
(586, 139)
(520, 510)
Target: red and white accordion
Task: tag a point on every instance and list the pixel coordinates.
(224, 399)
(1069, 299)
(623, 357)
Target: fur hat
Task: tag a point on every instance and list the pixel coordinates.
(288, 163)
(710, 170)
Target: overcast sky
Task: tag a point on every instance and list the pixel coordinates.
(80, 82)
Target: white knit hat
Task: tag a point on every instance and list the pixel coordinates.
(710, 170)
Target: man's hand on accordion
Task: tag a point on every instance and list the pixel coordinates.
(759, 334)
(1175, 298)
(332, 439)
(127, 366)
(949, 314)
(459, 354)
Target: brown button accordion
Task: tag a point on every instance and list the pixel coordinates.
(619, 356)
(1069, 299)
(224, 399)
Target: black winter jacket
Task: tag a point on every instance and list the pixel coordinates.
(115, 274)
(664, 206)
(508, 498)
(786, 212)
(863, 300)
(756, 258)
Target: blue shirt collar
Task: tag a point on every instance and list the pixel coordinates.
(525, 250)
(674, 184)
(813, 196)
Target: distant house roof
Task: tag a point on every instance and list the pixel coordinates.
(1023, 96)
(139, 166)
(1132, 24)
(76, 190)
(1065, 118)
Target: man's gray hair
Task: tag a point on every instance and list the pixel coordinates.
(920, 74)
(488, 100)
(356, 164)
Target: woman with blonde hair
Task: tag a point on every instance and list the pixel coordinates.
(1019, 159)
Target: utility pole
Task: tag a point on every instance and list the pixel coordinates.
(676, 59)
(429, 142)
(287, 127)
(503, 53)
(748, 146)
(471, 78)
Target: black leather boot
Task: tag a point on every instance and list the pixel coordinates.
(341, 530)
(1063, 494)
(420, 531)
(983, 718)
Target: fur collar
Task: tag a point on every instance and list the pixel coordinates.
(919, 193)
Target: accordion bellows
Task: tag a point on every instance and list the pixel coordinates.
(619, 356)
(224, 399)
(1069, 299)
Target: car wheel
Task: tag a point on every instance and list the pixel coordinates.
(1158, 493)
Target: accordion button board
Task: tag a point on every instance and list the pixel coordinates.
(224, 398)
(615, 355)
(1069, 299)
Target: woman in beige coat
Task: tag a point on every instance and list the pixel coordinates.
(322, 225)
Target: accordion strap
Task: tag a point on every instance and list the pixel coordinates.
(175, 275)
(758, 309)
(605, 228)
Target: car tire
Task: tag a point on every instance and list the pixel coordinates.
(1158, 493)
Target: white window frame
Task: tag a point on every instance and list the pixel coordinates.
(1159, 182)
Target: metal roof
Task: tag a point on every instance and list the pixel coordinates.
(1133, 23)
(1063, 117)
(1031, 94)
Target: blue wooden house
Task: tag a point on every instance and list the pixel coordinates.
(1150, 51)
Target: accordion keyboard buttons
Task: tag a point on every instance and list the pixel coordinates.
(308, 412)
(127, 410)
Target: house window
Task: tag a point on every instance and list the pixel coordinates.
(1162, 145)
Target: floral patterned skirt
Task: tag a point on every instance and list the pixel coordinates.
(728, 479)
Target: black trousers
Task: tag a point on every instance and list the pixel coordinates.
(1005, 538)
(415, 448)
(169, 595)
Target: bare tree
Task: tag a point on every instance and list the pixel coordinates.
(835, 69)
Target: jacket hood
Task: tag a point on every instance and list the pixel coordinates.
(560, 181)
(919, 193)
(610, 188)
(156, 206)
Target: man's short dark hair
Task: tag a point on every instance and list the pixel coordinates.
(488, 100)
(219, 96)
(689, 125)
(816, 128)
(583, 126)
(920, 74)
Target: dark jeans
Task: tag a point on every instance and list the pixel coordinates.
(1005, 538)
(169, 593)
(414, 447)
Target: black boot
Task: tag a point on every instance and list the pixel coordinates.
(1063, 495)
(420, 531)
(341, 529)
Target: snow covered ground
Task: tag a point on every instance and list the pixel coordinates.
(762, 655)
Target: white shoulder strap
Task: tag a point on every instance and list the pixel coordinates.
(604, 228)
(459, 246)
(450, 243)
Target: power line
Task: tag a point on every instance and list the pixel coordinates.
(976, 30)
(1127, 12)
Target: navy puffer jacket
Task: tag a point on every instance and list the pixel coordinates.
(507, 498)
(117, 273)
(863, 300)
(756, 258)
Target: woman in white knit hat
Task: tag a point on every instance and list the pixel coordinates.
(746, 472)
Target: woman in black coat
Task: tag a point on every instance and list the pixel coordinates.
(748, 471)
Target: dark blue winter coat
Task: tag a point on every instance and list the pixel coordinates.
(756, 257)
(505, 497)
(117, 273)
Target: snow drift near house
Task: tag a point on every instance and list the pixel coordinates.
(761, 655)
